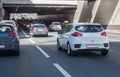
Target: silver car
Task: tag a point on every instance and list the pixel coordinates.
(55, 26)
(38, 29)
(83, 37)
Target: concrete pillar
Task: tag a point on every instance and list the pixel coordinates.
(94, 10)
(85, 10)
(78, 11)
(1, 12)
(115, 19)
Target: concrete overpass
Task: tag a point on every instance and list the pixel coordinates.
(39, 6)
(42, 7)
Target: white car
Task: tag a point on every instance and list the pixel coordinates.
(55, 26)
(82, 37)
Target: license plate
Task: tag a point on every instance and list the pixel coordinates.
(40, 30)
(92, 45)
(2, 46)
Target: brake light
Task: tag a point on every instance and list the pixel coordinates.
(15, 27)
(13, 34)
(75, 34)
(104, 34)
(33, 29)
(46, 29)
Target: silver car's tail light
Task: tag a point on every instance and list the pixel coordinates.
(33, 29)
(46, 29)
(75, 34)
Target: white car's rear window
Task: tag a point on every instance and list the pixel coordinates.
(89, 28)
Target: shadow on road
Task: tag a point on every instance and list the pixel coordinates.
(7, 53)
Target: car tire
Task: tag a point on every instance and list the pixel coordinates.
(17, 52)
(69, 51)
(58, 46)
(104, 53)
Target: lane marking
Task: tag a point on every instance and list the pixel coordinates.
(55, 35)
(32, 41)
(65, 73)
(40, 49)
(43, 52)
(25, 34)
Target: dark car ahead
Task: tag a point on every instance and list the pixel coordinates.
(9, 39)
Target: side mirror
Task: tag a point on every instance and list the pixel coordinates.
(60, 32)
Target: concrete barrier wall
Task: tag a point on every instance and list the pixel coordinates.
(1, 10)
(87, 11)
(105, 13)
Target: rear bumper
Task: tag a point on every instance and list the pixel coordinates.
(40, 33)
(9, 46)
(86, 47)
(88, 50)
(56, 28)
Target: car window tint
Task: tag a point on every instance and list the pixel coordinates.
(9, 23)
(89, 28)
(5, 28)
(42, 26)
(68, 28)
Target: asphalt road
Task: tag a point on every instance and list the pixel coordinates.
(39, 57)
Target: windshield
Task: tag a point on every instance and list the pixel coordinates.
(56, 23)
(89, 28)
(5, 28)
(41, 26)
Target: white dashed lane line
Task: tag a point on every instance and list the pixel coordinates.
(64, 72)
(43, 52)
(40, 49)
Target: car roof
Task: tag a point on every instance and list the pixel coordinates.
(38, 24)
(76, 24)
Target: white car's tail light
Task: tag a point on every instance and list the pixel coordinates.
(104, 34)
(75, 34)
